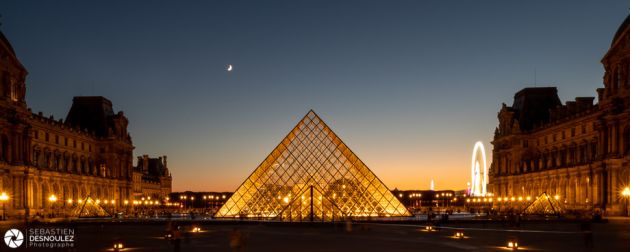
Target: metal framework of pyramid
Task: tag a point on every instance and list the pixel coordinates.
(544, 205)
(312, 176)
(89, 208)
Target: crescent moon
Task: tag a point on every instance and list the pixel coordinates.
(229, 68)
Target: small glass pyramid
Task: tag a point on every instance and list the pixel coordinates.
(89, 208)
(312, 176)
(544, 205)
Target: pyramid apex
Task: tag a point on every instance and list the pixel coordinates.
(311, 114)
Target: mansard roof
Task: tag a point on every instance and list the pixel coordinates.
(624, 26)
(5, 47)
(5, 42)
(532, 105)
(92, 113)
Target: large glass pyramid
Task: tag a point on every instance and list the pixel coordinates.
(312, 176)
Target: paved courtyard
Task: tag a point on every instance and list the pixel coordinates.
(215, 236)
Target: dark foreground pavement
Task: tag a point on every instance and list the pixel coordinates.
(215, 236)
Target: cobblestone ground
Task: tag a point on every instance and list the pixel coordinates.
(229, 236)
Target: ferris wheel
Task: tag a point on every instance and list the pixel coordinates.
(478, 170)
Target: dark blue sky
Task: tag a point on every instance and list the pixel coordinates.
(408, 85)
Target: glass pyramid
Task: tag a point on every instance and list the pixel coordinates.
(312, 176)
(89, 208)
(544, 205)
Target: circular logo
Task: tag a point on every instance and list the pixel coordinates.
(13, 238)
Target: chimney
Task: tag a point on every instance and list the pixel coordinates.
(145, 162)
(600, 94)
(571, 108)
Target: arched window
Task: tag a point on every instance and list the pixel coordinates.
(35, 157)
(81, 166)
(6, 153)
(46, 159)
(57, 161)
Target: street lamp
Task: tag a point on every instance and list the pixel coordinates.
(3, 198)
(626, 194)
(52, 200)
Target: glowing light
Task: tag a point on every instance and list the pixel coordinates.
(512, 244)
(459, 234)
(479, 173)
(118, 246)
(432, 186)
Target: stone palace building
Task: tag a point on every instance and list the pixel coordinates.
(90, 153)
(579, 151)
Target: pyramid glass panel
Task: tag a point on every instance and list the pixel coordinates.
(312, 176)
(544, 205)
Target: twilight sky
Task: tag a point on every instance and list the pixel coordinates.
(408, 85)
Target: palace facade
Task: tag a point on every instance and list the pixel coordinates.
(579, 151)
(151, 178)
(90, 153)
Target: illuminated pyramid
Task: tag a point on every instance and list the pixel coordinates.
(544, 205)
(89, 208)
(312, 176)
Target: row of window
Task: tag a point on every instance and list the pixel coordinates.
(576, 155)
(58, 139)
(72, 164)
(551, 138)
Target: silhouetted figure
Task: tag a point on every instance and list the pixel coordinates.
(177, 235)
(348, 225)
(236, 240)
